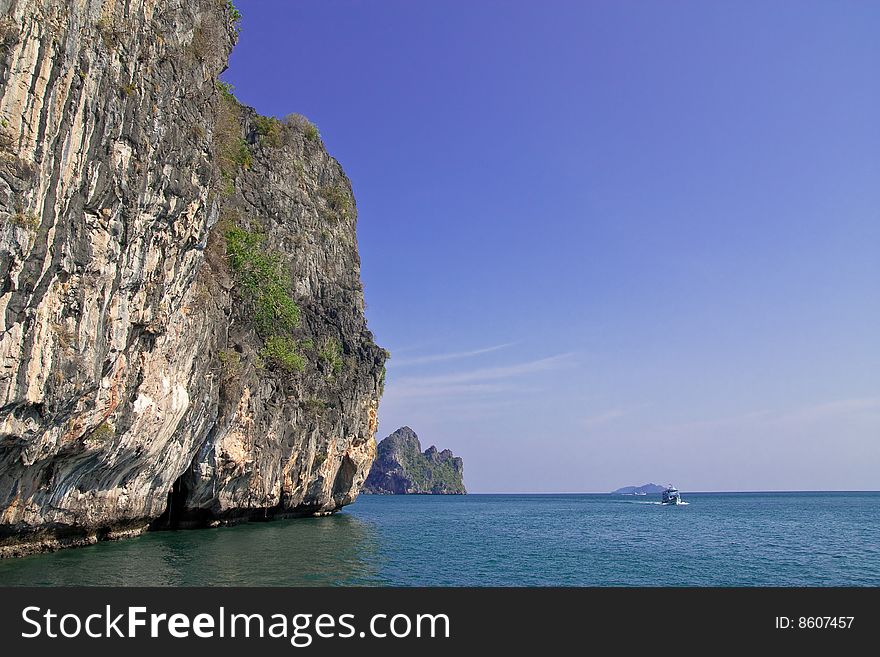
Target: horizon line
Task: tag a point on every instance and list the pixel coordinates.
(690, 492)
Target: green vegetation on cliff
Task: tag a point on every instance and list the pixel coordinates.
(265, 284)
(401, 468)
(284, 352)
(261, 275)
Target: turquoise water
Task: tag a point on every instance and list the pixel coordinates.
(719, 539)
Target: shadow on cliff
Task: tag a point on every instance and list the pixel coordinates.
(176, 514)
(336, 550)
(179, 514)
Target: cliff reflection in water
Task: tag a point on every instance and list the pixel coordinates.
(337, 550)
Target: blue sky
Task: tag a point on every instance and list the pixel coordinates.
(607, 242)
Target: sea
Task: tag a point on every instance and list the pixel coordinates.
(717, 539)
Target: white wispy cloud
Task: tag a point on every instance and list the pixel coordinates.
(473, 382)
(833, 409)
(801, 415)
(610, 415)
(437, 358)
(411, 389)
(490, 373)
(412, 347)
(603, 418)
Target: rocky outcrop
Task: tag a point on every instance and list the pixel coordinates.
(646, 489)
(182, 337)
(401, 468)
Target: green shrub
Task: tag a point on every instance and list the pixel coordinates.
(226, 90)
(231, 150)
(233, 13)
(264, 279)
(241, 154)
(208, 42)
(269, 130)
(301, 123)
(338, 200)
(27, 220)
(331, 353)
(314, 405)
(102, 432)
(110, 34)
(230, 360)
(198, 47)
(282, 351)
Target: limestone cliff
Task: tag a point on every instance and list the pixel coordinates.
(401, 468)
(182, 336)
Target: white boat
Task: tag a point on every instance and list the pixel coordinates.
(639, 493)
(671, 496)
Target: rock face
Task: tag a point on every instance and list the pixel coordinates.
(401, 468)
(182, 336)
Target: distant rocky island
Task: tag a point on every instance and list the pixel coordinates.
(401, 468)
(647, 489)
